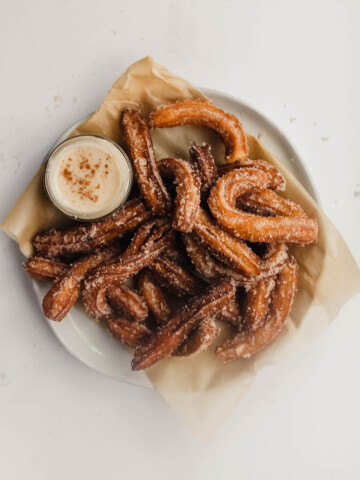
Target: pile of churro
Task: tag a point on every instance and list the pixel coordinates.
(204, 244)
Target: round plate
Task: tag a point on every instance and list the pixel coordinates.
(93, 345)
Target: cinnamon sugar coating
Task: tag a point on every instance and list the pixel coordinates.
(204, 112)
(230, 263)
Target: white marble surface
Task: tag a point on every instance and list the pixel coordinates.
(298, 62)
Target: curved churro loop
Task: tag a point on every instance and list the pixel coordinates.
(199, 339)
(201, 158)
(230, 250)
(276, 255)
(88, 237)
(164, 342)
(276, 178)
(131, 333)
(119, 296)
(146, 235)
(175, 278)
(204, 112)
(154, 297)
(268, 203)
(66, 290)
(127, 302)
(251, 340)
(187, 200)
(139, 238)
(94, 293)
(205, 263)
(44, 269)
(257, 302)
(231, 313)
(251, 227)
(270, 264)
(137, 136)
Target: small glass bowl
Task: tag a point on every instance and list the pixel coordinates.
(86, 217)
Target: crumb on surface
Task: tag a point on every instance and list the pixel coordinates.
(324, 139)
(58, 100)
(4, 379)
(292, 119)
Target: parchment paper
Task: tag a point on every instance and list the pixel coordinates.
(202, 390)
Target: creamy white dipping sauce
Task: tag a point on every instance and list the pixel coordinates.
(88, 177)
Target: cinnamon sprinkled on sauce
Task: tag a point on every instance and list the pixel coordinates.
(81, 184)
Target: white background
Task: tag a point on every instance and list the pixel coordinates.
(298, 62)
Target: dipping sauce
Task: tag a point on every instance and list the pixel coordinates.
(88, 177)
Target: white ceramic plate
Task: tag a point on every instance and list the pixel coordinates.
(93, 345)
